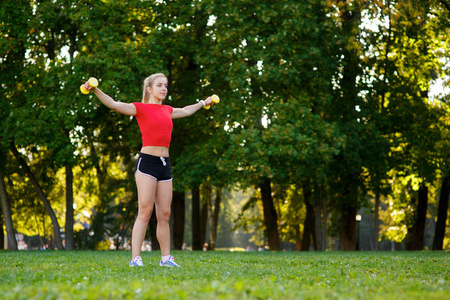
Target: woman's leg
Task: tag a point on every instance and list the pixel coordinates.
(163, 202)
(146, 187)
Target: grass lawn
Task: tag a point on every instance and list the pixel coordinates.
(226, 275)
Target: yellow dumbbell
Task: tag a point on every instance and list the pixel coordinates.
(214, 99)
(93, 82)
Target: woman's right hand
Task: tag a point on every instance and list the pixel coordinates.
(87, 86)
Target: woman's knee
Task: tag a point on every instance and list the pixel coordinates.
(163, 215)
(144, 214)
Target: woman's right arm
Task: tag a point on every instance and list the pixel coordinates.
(124, 108)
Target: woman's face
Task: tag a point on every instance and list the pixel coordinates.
(159, 88)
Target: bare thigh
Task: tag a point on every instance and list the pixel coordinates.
(163, 200)
(146, 187)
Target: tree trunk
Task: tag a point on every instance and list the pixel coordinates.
(38, 189)
(98, 217)
(415, 237)
(324, 220)
(319, 216)
(206, 199)
(347, 239)
(308, 225)
(298, 239)
(318, 227)
(308, 228)
(270, 215)
(178, 215)
(70, 243)
(6, 208)
(214, 219)
(349, 208)
(439, 233)
(196, 239)
(349, 171)
(377, 222)
(153, 223)
(2, 234)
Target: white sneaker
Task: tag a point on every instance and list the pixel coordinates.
(136, 262)
(168, 263)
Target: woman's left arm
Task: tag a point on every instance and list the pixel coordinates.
(186, 111)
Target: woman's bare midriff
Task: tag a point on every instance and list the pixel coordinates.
(156, 151)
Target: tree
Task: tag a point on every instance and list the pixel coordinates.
(309, 234)
(42, 196)
(442, 214)
(12, 56)
(178, 214)
(196, 237)
(396, 124)
(276, 80)
(6, 209)
(321, 111)
(27, 130)
(411, 117)
(213, 210)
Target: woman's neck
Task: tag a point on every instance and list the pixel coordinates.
(153, 100)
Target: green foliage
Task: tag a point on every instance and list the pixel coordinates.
(309, 91)
(272, 82)
(292, 212)
(283, 275)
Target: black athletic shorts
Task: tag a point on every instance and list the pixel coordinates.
(154, 166)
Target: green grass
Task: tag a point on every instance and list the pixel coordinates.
(226, 275)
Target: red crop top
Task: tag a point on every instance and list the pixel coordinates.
(155, 123)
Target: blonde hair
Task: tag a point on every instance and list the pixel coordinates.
(148, 82)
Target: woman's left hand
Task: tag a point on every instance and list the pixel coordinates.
(208, 101)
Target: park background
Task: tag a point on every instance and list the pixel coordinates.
(332, 132)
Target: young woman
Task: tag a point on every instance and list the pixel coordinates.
(153, 174)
